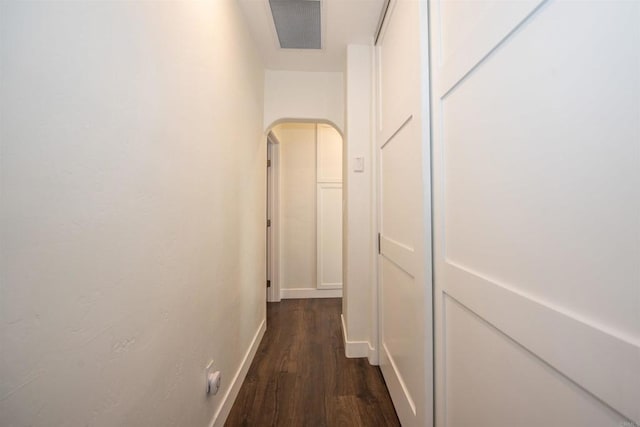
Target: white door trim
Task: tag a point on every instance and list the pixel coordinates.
(273, 193)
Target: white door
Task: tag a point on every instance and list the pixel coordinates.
(328, 207)
(404, 270)
(536, 148)
(329, 235)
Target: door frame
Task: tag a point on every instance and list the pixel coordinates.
(273, 214)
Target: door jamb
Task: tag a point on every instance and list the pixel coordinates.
(273, 195)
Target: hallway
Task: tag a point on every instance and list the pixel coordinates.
(463, 176)
(300, 376)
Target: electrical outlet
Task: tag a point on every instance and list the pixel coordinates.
(213, 382)
(213, 379)
(207, 371)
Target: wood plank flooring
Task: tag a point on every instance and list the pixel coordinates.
(300, 376)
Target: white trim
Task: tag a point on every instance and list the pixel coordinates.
(353, 349)
(273, 295)
(376, 204)
(385, 22)
(232, 392)
(303, 293)
(373, 356)
(325, 286)
(375, 116)
(272, 138)
(381, 20)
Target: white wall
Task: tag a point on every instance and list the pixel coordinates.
(329, 154)
(359, 293)
(132, 211)
(297, 205)
(303, 95)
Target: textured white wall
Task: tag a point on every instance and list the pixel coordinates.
(132, 211)
(297, 205)
(304, 96)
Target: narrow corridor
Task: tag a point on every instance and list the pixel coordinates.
(300, 376)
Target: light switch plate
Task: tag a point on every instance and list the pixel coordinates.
(358, 164)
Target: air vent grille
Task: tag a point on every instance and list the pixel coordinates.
(297, 23)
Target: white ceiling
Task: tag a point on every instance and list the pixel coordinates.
(343, 22)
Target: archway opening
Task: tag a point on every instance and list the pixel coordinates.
(304, 210)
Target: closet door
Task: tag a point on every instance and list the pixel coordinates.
(404, 263)
(329, 207)
(536, 147)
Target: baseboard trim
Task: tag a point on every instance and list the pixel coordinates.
(330, 285)
(373, 356)
(273, 296)
(353, 349)
(303, 293)
(232, 392)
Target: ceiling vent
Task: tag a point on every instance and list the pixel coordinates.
(297, 23)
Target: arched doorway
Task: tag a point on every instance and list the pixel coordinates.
(304, 210)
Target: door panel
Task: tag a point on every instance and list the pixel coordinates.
(404, 263)
(536, 148)
(329, 235)
(329, 207)
(398, 166)
(402, 294)
(497, 361)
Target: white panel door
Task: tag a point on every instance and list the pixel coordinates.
(536, 148)
(329, 207)
(404, 273)
(329, 235)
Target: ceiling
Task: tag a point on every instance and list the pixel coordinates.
(343, 22)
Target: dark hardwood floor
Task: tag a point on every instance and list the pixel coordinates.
(300, 376)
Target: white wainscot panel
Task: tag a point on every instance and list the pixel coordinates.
(329, 238)
(483, 390)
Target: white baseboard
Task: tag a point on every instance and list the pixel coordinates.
(353, 349)
(272, 295)
(330, 285)
(373, 356)
(301, 293)
(232, 392)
